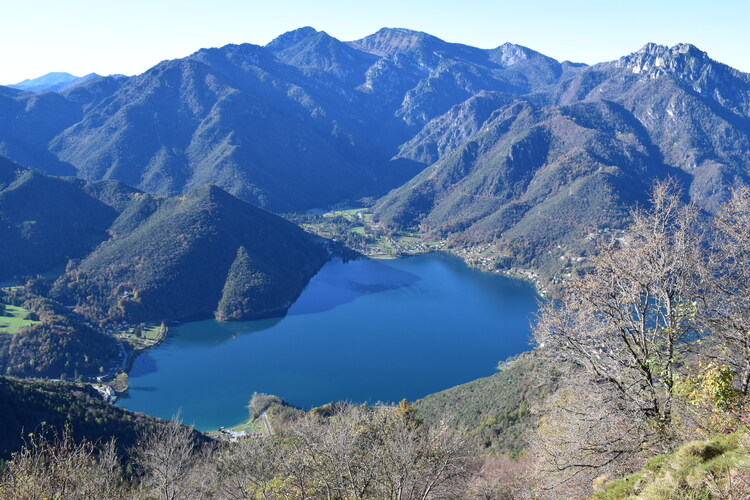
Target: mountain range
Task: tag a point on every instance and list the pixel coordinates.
(502, 146)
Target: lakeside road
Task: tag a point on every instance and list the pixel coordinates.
(269, 430)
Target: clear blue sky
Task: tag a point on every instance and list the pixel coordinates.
(103, 36)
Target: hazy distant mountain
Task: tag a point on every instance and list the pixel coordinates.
(44, 82)
(54, 82)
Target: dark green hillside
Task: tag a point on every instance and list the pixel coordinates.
(44, 220)
(36, 405)
(497, 409)
(61, 344)
(198, 255)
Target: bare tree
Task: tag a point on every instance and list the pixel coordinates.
(417, 462)
(627, 321)
(56, 466)
(165, 458)
(343, 449)
(247, 469)
(726, 311)
(499, 478)
(586, 431)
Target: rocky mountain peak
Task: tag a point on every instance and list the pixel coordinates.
(654, 60)
(509, 54)
(290, 38)
(388, 41)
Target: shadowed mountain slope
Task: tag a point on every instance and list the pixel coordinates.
(306, 121)
(204, 254)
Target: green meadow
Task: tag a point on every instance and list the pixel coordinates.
(13, 319)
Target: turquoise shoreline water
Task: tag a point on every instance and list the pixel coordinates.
(361, 331)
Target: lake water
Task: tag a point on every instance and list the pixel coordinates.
(362, 331)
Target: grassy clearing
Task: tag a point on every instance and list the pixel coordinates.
(141, 337)
(15, 319)
(250, 426)
(696, 470)
(355, 228)
(349, 214)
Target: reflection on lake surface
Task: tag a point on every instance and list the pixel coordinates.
(363, 330)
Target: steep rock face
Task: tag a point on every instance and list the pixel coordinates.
(696, 111)
(429, 75)
(319, 54)
(449, 131)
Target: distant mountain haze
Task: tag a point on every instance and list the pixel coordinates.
(56, 82)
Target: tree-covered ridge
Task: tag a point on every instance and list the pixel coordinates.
(131, 255)
(203, 254)
(497, 410)
(38, 406)
(45, 220)
(61, 345)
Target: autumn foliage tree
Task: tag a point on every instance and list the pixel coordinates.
(629, 319)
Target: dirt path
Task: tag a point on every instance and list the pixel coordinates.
(269, 429)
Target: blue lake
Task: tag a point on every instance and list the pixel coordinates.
(362, 331)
